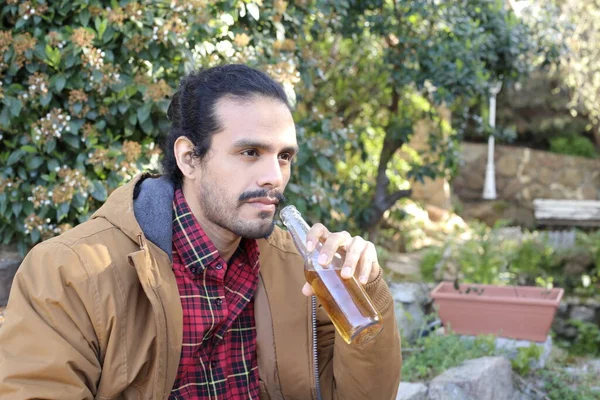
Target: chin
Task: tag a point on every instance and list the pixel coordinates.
(258, 230)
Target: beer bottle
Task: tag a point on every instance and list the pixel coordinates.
(349, 307)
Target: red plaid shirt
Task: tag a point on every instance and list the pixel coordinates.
(218, 356)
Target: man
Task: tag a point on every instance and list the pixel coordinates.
(180, 287)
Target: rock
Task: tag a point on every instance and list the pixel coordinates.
(487, 378)
(511, 347)
(9, 262)
(412, 391)
(410, 301)
(583, 313)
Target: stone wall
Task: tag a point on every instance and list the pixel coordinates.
(522, 175)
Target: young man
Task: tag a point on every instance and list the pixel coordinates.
(181, 287)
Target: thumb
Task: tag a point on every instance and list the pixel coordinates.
(307, 290)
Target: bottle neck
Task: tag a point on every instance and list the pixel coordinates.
(297, 227)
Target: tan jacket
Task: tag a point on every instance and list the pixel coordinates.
(95, 314)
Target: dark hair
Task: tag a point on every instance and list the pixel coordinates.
(192, 110)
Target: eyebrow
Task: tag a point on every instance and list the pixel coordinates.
(242, 143)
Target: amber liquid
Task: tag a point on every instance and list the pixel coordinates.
(347, 304)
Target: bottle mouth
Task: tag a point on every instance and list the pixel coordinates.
(287, 212)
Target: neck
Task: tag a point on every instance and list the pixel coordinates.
(224, 240)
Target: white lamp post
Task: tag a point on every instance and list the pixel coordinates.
(489, 186)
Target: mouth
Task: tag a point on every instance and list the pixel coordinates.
(264, 203)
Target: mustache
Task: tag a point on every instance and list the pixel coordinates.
(261, 193)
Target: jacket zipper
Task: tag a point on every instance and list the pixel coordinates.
(315, 350)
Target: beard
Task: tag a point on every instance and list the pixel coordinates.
(223, 211)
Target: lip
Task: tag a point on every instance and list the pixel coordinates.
(264, 203)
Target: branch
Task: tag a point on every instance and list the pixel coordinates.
(391, 199)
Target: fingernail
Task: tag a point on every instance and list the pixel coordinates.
(310, 246)
(347, 272)
(323, 259)
(363, 279)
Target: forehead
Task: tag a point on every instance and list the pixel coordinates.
(259, 118)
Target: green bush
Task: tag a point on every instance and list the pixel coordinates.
(433, 354)
(85, 88)
(574, 145)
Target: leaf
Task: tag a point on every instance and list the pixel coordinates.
(84, 17)
(15, 156)
(101, 25)
(71, 140)
(50, 146)
(325, 164)
(144, 112)
(62, 211)
(99, 191)
(253, 10)
(53, 165)
(60, 82)
(132, 118)
(71, 60)
(35, 235)
(34, 163)
(3, 203)
(15, 105)
(147, 126)
(123, 107)
(5, 117)
(29, 149)
(16, 208)
(46, 99)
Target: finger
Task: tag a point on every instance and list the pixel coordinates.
(365, 264)
(354, 252)
(316, 233)
(307, 290)
(333, 242)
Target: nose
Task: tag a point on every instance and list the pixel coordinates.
(270, 174)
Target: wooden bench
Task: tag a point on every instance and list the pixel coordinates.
(568, 213)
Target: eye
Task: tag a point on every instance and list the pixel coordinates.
(286, 157)
(250, 153)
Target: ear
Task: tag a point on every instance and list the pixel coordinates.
(184, 149)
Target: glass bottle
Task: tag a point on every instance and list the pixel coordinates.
(349, 307)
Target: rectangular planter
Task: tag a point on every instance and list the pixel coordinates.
(518, 312)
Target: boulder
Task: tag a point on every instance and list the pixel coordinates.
(410, 301)
(9, 262)
(412, 391)
(487, 378)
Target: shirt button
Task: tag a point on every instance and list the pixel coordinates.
(219, 301)
(193, 270)
(213, 364)
(219, 266)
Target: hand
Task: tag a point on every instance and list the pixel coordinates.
(361, 256)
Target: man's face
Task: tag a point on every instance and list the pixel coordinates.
(240, 181)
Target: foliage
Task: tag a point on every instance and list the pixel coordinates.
(587, 341)
(437, 353)
(85, 87)
(95, 78)
(559, 385)
(496, 256)
(574, 146)
(521, 364)
(580, 69)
